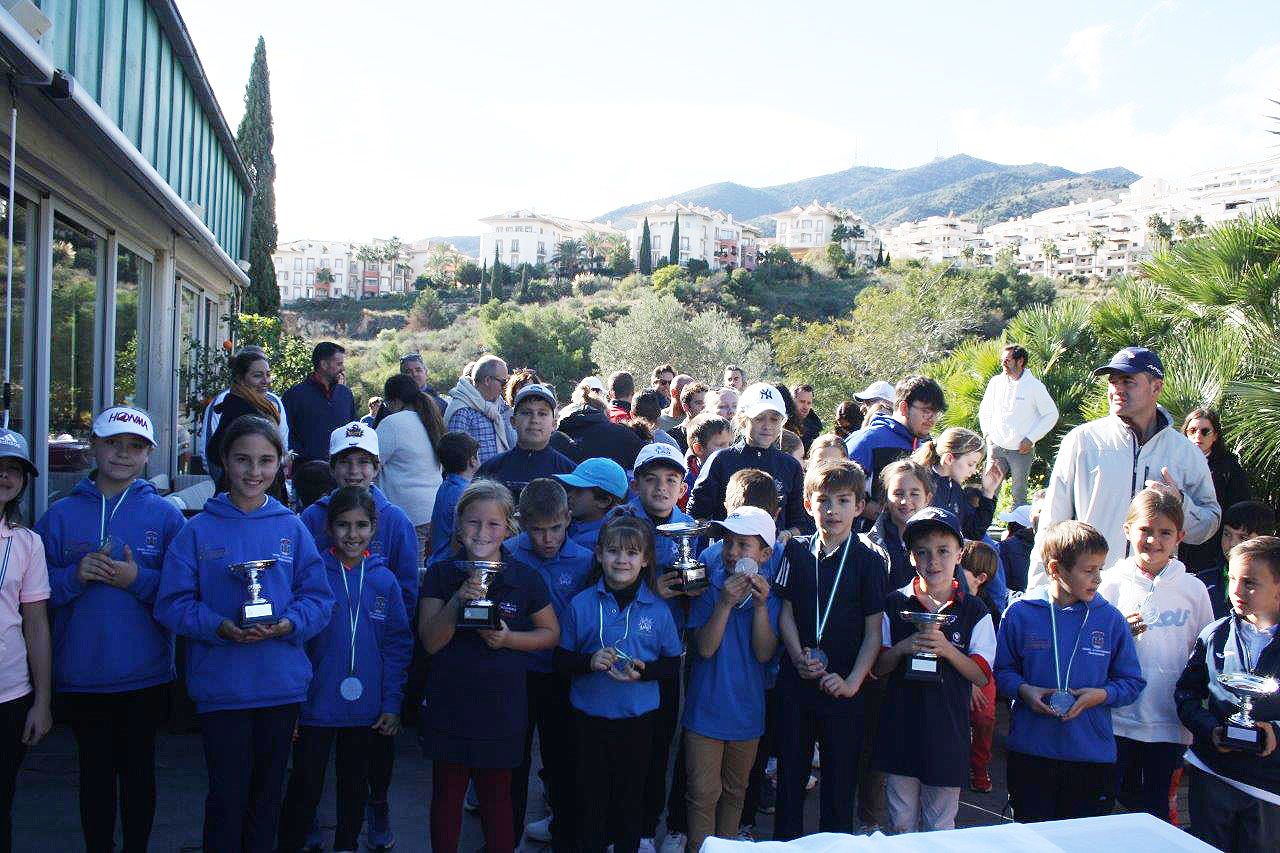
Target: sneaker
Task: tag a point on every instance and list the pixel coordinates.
(472, 802)
(747, 833)
(378, 821)
(675, 842)
(980, 782)
(539, 830)
(768, 796)
(646, 846)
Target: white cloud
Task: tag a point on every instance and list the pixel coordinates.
(1145, 21)
(1082, 54)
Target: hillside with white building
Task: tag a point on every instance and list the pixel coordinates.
(706, 234)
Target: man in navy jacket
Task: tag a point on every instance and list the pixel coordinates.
(319, 404)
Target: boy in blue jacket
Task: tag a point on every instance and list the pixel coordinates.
(595, 487)
(360, 662)
(534, 418)
(544, 547)
(1235, 793)
(459, 456)
(1065, 657)
(105, 544)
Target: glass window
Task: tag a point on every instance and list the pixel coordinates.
(337, 278)
(24, 226)
(311, 278)
(324, 262)
(77, 271)
(311, 264)
(283, 278)
(133, 289)
(297, 263)
(297, 278)
(515, 245)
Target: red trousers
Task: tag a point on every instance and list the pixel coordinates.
(983, 724)
(449, 789)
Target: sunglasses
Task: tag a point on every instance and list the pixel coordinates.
(1203, 432)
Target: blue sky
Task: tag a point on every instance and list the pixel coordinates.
(417, 118)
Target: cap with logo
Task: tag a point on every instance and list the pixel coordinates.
(1133, 360)
(13, 445)
(354, 435)
(761, 397)
(1018, 515)
(750, 521)
(878, 390)
(534, 390)
(597, 473)
(124, 420)
(660, 453)
(932, 518)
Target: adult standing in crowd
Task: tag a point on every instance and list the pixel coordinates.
(810, 423)
(875, 398)
(660, 380)
(408, 434)
(1015, 413)
(594, 435)
(475, 407)
(319, 404)
(734, 378)
(917, 403)
(1230, 483)
(1102, 464)
(693, 399)
(674, 414)
(412, 365)
(622, 387)
(249, 394)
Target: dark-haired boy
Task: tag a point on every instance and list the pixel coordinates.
(544, 546)
(708, 432)
(534, 419)
(622, 387)
(595, 487)
(1241, 522)
(917, 403)
(1235, 793)
(459, 455)
(833, 588)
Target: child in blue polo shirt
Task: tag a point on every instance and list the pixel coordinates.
(1065, 657)
(475, 712)
(534, 418)
(459, 456)
(360, 662)
(112, 661)
(735, 625)
(595, 487)
(564, 566)
(922, 743)
(833, 589)
(247, 682)
(618, 639)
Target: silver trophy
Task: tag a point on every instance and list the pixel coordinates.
(480, 613)
(1241, 730)
(693, 575)
(923, 666)
(258, 609)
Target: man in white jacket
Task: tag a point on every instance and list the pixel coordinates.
(1102, 464)
(1016, 412)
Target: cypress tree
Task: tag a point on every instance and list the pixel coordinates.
(880, 257)
(887, 259)
(495, 283)
(255, 139)
(674, 255)
(645, 262)
(484, 273)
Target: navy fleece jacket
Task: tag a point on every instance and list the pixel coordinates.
(105, 639)
(198, 593)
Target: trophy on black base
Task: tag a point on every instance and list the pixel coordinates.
(1241, 732)
(480, 613)
(693, 575)
(923, 666)
(258, 609)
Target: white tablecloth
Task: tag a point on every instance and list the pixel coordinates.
(1121, 833)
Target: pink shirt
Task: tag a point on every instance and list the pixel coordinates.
(24, 578)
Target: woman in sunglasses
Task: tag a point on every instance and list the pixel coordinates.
(1230, 482)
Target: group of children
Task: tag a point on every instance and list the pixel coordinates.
(884, 649)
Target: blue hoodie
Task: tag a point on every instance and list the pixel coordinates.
(442, 516)
(565, 575)
(880, 442)
(197, 594)
(1105, 657)
(585, 533)
(105, 639)
(394, 540)
(384, 644)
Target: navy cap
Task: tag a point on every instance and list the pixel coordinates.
(1131, 360)
(932, 518)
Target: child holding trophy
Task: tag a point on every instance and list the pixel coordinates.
(105, 544)
(480, 618)
(1167, 608)
(1228, 697)
(1066, 658)
(244, 583)
(360, 662)
(619, 640)
(932, 631)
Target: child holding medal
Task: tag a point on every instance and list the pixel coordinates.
(360, 662)
(1066, 658)
(832, 588)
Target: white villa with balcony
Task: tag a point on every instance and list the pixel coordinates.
(526, 237)
(706, 234)
(803, 229)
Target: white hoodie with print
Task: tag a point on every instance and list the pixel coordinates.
(1176, 608)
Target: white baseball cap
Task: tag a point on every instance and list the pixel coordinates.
(761, 397)
(353, 435)
(659, 452)
(1018, 515)
(878, 390)
(124, 420)
(595, 383)
(750, 521)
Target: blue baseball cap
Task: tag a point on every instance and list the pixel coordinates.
(932, 518)
(13, 445)
(598, 474)
(1131, 360)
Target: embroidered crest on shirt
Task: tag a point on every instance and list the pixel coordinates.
(645, 625)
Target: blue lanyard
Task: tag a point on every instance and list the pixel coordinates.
(820, 616)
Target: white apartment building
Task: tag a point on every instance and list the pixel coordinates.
(705, 235)
(298, 263)
(937, 239)
(525, 237)
(803, 229)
